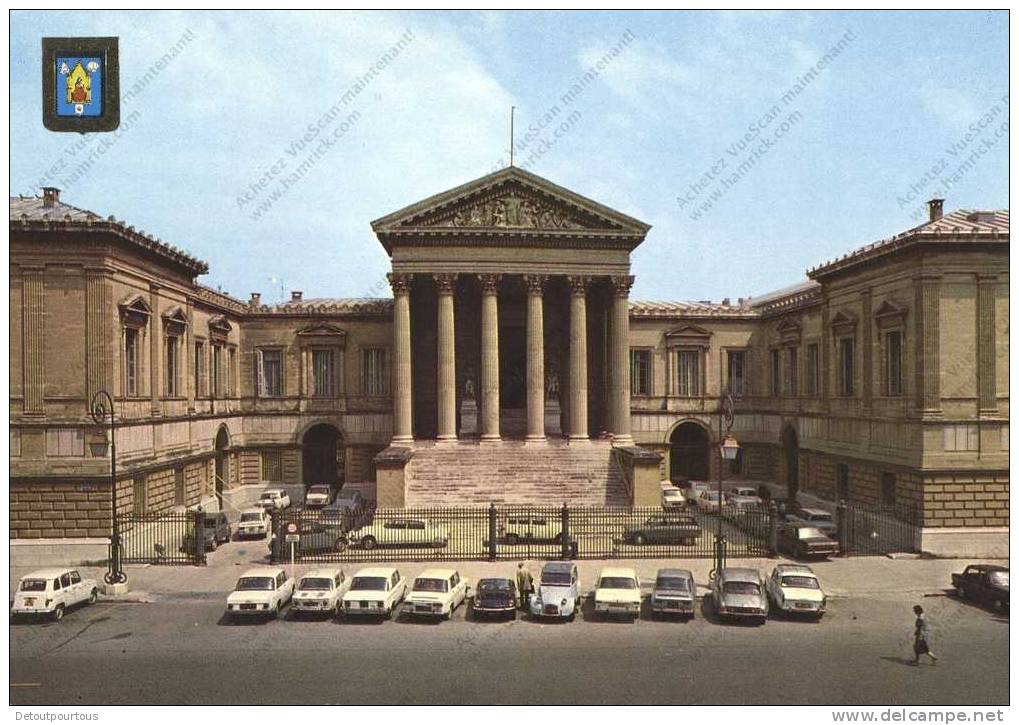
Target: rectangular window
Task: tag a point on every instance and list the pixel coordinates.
(842, 480)
(172, 366)
(272, 466)
(893, 363)
(688, 373)
(736, 368)
(374, 375)
(640, 372)
(962, 438)
(888, 489)
(269, 373)
(139, 503)
(65, 442)
(846, 367)
(792, 371)
(322, 373)
(776, 374)
(217, 371)
(199, 369)
(231, 373)
(178, 487)
(813, 365)
(131, 361)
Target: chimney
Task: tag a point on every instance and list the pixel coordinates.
(50, 196)
(934, 207)
(726, 302)
(296, 295)
(256, 299)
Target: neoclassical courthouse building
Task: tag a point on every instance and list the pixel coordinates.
(510, 365)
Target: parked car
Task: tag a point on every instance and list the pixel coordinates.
(317, 495)
(673, 498)
(618, 592)
(375, 591)
(274, 498)
(707, 501)
(436, 593)
(795, 589)
(674, 592)
(399, 532)
(672, 529)
(802, 540)
(262, 591)
(321, 591)
(348, 508)
(253, 522)
(495, 596)
(558, 591)
(316, 537)
(819, 518)
(739, 593)
(743, 495)
(51, 592)
(530, 528)
(984, 583)
(216, 531)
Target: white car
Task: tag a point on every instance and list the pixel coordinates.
(795, 589)
(262, 591)
(399, 532)
(319, 494)
(253, 522)
(618, 592)
(673, 498)
(436, 593)
(707, 500)
(321, 591)
(375, 591)
(274, 498)
(53, 591)
(744, 495)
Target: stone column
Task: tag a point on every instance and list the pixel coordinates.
(446, 359)
(578, 359)
(402, 394)
(489, 357)
(95, 320)
(619, 360)
(986, 363)
(928, 337)
(535, 358)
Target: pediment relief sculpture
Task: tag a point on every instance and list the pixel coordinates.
(514, 209)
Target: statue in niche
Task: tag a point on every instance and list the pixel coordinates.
(469, 385)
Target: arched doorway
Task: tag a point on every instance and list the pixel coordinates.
(791, 448)
(322, 455)
(222, 466)
(688, 452)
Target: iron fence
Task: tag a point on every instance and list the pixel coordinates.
(162, 538)
(865, 531)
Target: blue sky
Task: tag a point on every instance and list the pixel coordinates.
(842, 160)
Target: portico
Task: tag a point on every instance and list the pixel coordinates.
(511, 314)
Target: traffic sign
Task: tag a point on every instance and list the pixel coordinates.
(292, 528)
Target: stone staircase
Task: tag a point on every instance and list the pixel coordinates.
(471, 474)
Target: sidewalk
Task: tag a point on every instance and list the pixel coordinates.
(854, 576)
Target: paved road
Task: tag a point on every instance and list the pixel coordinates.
(180, 650)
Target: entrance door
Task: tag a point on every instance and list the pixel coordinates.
(512, 367)
(221, 472)
(321, 456)
(688, 453)
(791, 447)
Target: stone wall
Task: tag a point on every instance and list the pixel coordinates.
(966, 499)
(59, 510)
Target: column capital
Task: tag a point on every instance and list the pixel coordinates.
(445, 281)
(621, 284)
(578, 284)
(489, 283)
(400, 282)
(535, 283)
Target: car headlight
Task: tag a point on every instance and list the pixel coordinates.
(562, 603)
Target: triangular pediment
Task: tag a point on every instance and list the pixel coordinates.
(788, 330)
(323, 330)
(843, 323)
(511, 202)
(689, 334)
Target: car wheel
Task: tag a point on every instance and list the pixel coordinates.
(93, 596)
(369, 542)
(961, 591)
(58, 613)
(340, 545)
(278, 612)
(999, 604)
(512, 539)
(639, 540)
(213, 545)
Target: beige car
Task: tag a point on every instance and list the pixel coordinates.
(436, 593)
(618, 592)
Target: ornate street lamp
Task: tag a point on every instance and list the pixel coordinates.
(727, 451)
(101, 409)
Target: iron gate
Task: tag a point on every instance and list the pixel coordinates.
(164, 538)
(873, 532)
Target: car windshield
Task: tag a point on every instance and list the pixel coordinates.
(346, 495)
(555, 578)
(713, 495)
(819, 517)
(810, 532)
(318, 489)
(617, 582)
(251, 517)
(741, 588)
(999, 577)
(255, 583)
(267, 496)
(211, 522)
(800, 582)
(369, 584)
(673, 494)
(494, 585)
(431, 585)
(315, 583)
(671, 582)
(36, 585)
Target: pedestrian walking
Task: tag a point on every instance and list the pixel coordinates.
(921, 637)
(525, 585)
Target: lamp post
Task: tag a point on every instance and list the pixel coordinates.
(101, 409)
(727, 450)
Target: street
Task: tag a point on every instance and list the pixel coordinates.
(181, 650)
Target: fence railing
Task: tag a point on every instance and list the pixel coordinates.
(164, 538)
(865, 531)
